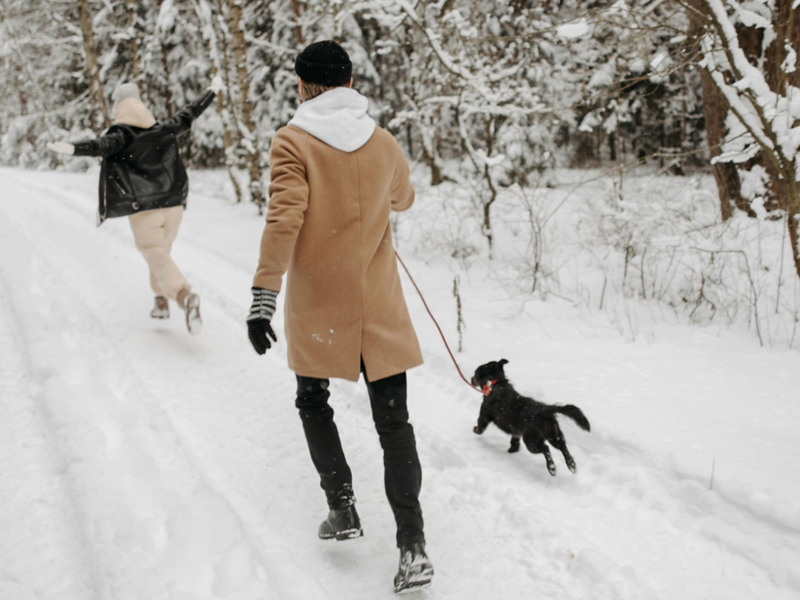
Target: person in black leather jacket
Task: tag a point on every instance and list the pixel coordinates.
(143, 177)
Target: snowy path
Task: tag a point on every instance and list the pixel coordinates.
(142, 463)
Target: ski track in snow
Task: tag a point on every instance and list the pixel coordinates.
(150, 464)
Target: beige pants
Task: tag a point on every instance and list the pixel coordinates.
(154, 232)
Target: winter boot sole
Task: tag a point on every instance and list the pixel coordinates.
(416, 577)
(414, 587)
(419, 581)
(341, 536)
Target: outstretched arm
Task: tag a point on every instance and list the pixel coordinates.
(106, 145)
(182, 122)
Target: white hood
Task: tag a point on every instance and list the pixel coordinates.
(337, 117)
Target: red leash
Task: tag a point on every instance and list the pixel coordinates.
(446, 345)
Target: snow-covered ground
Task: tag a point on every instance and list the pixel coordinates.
(139, 462)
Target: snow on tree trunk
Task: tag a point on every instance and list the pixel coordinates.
(96, 92)
(135, 42)
(298, 29)
(162, 31)
(749, 52)
(729, 186)
(217, 69)
(247, 127)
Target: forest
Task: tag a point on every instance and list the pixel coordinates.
(509, 100)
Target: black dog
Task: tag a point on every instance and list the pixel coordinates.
(523, 417)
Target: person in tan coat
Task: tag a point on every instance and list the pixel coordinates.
(335, 178)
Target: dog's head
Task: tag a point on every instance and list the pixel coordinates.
(489, 372)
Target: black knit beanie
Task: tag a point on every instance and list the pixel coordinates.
(325, 63)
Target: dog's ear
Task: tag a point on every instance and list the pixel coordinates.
(502, 362)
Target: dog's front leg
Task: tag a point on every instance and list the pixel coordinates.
(514, 444)
(483, 420)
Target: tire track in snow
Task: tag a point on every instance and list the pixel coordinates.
(155, 526)
(42, 553)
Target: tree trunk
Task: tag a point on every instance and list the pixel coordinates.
(729, 185)
(207, 17)
(794, 236)
(96, 92)
(226, 73)
(167, 90)
(781, 169)
(787, 26)
(236, 155)
(248, 129)
(792, 211)
(135, 46)
(23, 99)
(490, 132)
(436, 172)
(162, 42)
(715, 110)
(298, 29)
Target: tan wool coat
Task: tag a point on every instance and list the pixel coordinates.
(328, 229)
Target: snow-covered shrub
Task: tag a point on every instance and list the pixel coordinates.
(662, 240)
(445, 224)
(654, 244)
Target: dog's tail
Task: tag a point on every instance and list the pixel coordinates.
(574, 413)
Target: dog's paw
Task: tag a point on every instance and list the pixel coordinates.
(571, 465)
(477, 430)
(513, 449)
(551, 467)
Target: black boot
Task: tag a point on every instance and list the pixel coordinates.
(342, 523)
(415, 570)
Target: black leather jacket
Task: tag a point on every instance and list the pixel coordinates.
(141, 168)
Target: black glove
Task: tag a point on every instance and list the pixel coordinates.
(258, 328)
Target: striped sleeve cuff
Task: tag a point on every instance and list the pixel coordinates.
(263, 306)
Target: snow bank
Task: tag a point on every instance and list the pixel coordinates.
(145, 463)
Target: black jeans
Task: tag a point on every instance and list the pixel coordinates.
(402, 471)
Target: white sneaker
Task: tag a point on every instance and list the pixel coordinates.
(194, 323)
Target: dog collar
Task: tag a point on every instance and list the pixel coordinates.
(487, 387)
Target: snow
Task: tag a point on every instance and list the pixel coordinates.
(573, 30)
(141, 462)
